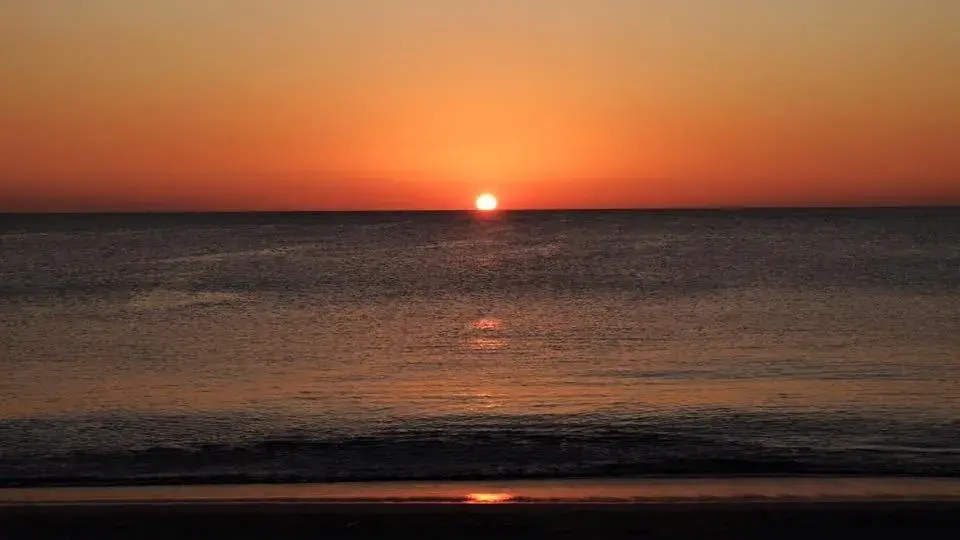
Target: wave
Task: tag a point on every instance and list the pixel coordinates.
(162, 299)
(467, 454)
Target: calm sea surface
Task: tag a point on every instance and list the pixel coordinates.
(312, 347)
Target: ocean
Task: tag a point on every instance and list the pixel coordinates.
(316, 347)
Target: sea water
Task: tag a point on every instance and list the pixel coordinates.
(209, 348)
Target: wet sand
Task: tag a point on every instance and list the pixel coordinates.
(567, 490)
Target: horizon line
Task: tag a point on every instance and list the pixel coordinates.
(732, 208)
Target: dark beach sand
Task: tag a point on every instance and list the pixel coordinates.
(691, 508)
(910, 520)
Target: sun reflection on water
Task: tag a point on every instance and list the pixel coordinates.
(487, 344)
(488, 327)
(486, 324)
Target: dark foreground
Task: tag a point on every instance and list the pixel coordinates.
(913, 520)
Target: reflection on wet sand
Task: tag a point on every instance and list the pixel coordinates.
(557, 490)
(488, 498)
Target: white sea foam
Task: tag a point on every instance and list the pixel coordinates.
(224, 255)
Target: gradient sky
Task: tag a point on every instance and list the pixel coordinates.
(357, 104)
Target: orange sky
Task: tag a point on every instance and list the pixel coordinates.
(419, 104)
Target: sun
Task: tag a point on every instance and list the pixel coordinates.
(486, 202)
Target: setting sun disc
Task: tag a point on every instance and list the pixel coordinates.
(486, 202)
